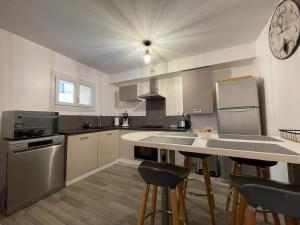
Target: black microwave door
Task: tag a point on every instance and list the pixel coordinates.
(145, 153)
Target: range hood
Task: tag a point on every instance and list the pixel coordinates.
(153, 94)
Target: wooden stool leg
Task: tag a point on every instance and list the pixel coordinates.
(185, 187)
(175, 216)
(208, 191)
(290, 221)
(186, 162)
(212, 193)
(276, 218)
(229, 193)
(241, 211)
(235, 198)
(143, 206)
(154, 197)
(234, 170)
(181, 203)
(250, 216)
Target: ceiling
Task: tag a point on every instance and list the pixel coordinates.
(108, 34)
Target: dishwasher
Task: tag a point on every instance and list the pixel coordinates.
(30, 170)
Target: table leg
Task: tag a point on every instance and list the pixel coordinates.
(167, 156)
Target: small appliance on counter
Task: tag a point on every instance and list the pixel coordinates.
(184, 122)
(125, 122)
(87, 125)
(19, 124)
(32, 159)
(117, 121)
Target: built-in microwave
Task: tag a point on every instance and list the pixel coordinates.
(28, 124)
(145, 153)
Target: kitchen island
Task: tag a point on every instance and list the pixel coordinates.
(241, 146)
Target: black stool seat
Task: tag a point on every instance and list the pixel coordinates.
(271, 195)
(194, 155)
(253, 162)
(164, 175)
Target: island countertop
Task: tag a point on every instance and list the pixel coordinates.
(260, 147)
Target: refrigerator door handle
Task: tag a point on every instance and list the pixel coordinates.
(238, 109)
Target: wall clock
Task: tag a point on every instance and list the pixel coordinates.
(284, 29)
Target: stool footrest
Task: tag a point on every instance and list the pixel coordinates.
(163, 211)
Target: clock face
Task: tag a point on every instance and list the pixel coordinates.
(285, 29)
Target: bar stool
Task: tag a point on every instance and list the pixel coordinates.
(207, 180)
(163, 175)
(271, 195)
(261, 170)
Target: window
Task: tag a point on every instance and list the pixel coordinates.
(66, 91)
(85, 95)
(70, 92)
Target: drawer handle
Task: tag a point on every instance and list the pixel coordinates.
(84, 138)
(197, 110)
(109, 134)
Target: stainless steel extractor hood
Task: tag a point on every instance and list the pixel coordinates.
(153, 94)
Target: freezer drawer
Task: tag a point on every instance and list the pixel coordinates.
(239, 121)
(33, 173)
(239, 93)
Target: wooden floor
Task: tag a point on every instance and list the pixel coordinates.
(109, 197)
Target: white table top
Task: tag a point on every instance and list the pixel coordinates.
(290, 153)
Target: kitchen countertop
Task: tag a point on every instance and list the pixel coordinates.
(108, 128)
(272, 149)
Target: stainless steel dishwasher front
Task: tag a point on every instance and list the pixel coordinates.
(34, 169)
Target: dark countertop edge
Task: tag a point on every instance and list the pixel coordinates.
(86, 131)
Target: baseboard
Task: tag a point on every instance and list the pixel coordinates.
(130, 162)
(83, 176)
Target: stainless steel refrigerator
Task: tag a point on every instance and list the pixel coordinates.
(238, 113)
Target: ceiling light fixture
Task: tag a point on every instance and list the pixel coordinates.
(147, 59)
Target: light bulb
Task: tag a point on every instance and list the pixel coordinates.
(147, 58)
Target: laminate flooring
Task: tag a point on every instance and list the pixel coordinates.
(111, 197)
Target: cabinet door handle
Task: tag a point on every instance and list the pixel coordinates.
(197, 110)
(84, 138)
(109, 134)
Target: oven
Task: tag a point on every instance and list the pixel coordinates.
(145, 153)
(28, 124)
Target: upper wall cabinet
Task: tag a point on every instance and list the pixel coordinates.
(171, 89)
(128, 93)
(197, 91)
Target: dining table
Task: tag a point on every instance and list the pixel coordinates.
(269, 148)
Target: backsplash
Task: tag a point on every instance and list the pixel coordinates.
(155, 115)
(155, 111)
(71, 122)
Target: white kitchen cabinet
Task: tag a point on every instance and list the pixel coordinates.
(171, 89)
(197, 91)
(81, 154)
(108, 147)
(126, 148)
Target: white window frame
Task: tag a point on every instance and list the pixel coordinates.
(56, 77)
(90, 85)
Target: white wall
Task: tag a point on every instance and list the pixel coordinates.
(235, 53)
(281, 82)
(25, 76)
